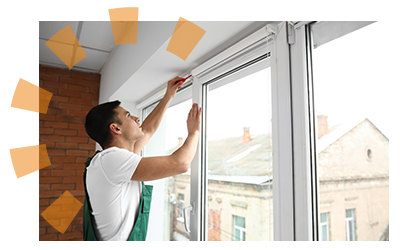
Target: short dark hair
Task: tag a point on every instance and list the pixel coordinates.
(98, 121)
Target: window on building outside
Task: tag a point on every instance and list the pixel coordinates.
(324, 226)
(181, 205)
(350, 225)
(239, 228)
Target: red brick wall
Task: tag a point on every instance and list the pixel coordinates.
(62, 129)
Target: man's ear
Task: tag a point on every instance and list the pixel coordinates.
(115, 129)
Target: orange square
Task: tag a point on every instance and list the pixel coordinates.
(185, 38)
(124, 24)
(62, 212)
(125, 32)
(69, 50)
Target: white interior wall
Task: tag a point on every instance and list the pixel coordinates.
(135, 71)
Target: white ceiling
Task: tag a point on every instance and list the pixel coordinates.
(155, 67)
(95, 37)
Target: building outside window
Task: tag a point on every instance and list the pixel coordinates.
(324, 226)
(181, 205)
(239, 228)
(350, 225)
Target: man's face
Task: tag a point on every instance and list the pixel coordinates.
(131, 128)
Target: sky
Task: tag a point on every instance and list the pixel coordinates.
(351, 78)
(349, 84)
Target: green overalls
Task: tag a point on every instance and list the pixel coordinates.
(139, 231)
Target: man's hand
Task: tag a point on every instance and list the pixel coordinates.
(173, 86)
(194, 119)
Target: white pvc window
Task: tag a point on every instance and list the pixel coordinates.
(324, 226)
(350, 225)
(265, 49)
(324, 80)
(239, 228)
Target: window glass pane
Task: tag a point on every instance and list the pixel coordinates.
(240, 159)
(353, 134)
(175, 190)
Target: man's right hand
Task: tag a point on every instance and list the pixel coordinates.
(194, 119)
(154, 168)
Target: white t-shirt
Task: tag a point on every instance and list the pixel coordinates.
(114, 197)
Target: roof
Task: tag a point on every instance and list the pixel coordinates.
(231, 161)
(339, 130)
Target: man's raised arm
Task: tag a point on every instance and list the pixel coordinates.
(154, 168)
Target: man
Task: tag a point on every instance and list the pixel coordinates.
(117, 202)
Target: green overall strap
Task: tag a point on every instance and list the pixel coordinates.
(139, 231)
(88, 232)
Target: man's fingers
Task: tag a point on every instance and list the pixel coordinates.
(199, 113)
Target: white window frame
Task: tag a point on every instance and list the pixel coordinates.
(350, 226)
(305, 180)
(304, 163)
(324, 224)
(283, 205)
(242, 230)
(281, 136)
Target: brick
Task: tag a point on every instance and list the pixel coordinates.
(55, 124)
(80, 186)
(62, 186)
(46, 131)
(77, 152)
(62, 129)
(63, 173)
(96, 77)
(70, 93)
(49, 144)
(81, 159)
(57, 111)
(78, 193)
(53, 152)
(48, 237)
(42, 69)
(70, 235)
(87, 146)
(50, 180)
(90, 83)
(76, 126)
(44, 202)
(89, 96)
(66, 145)
(44, 187)
(53, 104)
(53, 138)
(51, 78)
(63, 159)
(78, 113)
(45, 173)
(52, 90)
(70, 119)
(53, 193)
(79, 101)
(69, 80)
(78, 166)
(72, 180)
(95, 90)
(82, 75)
(78, 88)
(77, 139)
(58, 98)
(87, 108)
(65, 132)
(47, 117)
(57, 71)
(82, 133)
(52, 84)
(71, 106)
